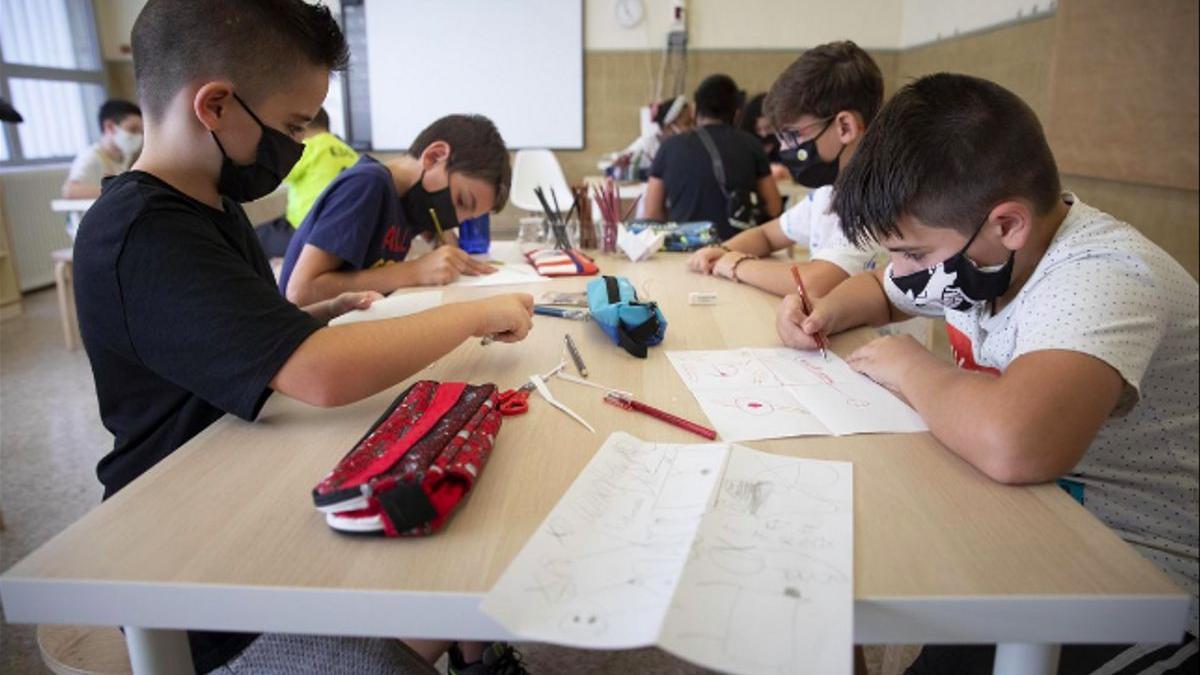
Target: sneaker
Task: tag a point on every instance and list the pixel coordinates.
(499, 658)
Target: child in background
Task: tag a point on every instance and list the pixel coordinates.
(177, 304)
(358, 232)
(683, 183)
(754, 121)
(120, 140)
(821, 106)
(325, 156)
(1075, 336)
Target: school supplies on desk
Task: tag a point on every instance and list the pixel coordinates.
(734, 559)
(415, 465)
(560, 312)
(680, 237)
(561, 263)
(516, 401)
(822, 341)
(630, 403)
(776, 392)
(507, 275)
(576, 357)
(608, 201)
(540, 384)
(562, 375)
(570, 299)
(633, 325)
(639, 246)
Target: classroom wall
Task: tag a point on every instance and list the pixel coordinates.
(1019, 57)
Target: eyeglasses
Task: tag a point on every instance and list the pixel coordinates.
(792, 138)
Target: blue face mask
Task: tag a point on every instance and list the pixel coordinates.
(956, 284)
(275, 156)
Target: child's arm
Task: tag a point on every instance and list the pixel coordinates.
(756, 241)
(73, 189)
(326, 310)
(654, 204)
(768, 195)
(1030, 425)
(317, 277)
(775, 276)
(343, 364)
(858, 301)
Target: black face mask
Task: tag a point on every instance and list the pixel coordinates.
(955, 283)
(275, 156)
(805, 163)
(418, 202)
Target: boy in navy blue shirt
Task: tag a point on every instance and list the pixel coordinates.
(358, 233)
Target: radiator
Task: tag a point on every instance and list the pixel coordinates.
(34, 228)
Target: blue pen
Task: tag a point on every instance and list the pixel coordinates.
(561, 312)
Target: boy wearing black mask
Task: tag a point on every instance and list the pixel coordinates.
(177, 304)
(820, 106)
(357, 235)
(1074, 336)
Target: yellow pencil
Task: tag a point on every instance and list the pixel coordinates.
(437, 226)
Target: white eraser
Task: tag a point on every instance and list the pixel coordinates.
(702, 298)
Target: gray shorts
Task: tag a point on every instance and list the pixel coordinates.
(325, 655)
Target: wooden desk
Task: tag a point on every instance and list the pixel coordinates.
(223, 534)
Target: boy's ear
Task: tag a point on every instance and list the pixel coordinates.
(849, 125)
(211, 103)
(1014, 219)
(435, 152)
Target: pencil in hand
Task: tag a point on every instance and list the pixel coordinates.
(822, 341)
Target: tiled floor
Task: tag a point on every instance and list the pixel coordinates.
(50, 441)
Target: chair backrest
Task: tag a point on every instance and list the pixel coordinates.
(533, 168)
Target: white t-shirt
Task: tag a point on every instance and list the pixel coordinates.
(1104, 290)
(92, 164)
(812, 223)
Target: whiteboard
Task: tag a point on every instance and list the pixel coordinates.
(519, 63)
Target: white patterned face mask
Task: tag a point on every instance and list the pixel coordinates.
(956, 284)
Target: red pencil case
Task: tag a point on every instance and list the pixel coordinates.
(416, 464)
(552, 262)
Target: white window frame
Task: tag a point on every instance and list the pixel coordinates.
(8, 71)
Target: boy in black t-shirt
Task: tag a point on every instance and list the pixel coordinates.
(683, 182)
(177, 304)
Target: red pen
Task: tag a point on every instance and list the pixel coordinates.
(821, 341)
(630, 404)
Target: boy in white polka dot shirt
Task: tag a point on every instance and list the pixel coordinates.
(1076, 338)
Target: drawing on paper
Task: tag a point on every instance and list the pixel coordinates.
(761, 393)
(731, 558)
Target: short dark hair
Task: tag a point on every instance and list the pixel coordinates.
(116, 109)
(945, 150)
(320, 120)
(748, 117)
(718, 97)
(476, 150)
(254, 43)
(824, 81)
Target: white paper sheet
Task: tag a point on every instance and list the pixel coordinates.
(728, 557)
(600, 570)
(395, 305)
(505, 275)
(776, 392)
(769, 584)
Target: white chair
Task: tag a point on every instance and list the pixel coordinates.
(531, 169)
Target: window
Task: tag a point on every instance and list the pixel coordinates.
(50, 70)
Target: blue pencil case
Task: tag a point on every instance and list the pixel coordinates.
(634, 325)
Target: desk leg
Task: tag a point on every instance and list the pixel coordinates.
(153, 651)
(1016, 658)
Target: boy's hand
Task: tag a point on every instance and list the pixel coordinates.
(889, 359)
(351, 301)
(702, 261)
(506, 318)
(797, 329)
(445, 264)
